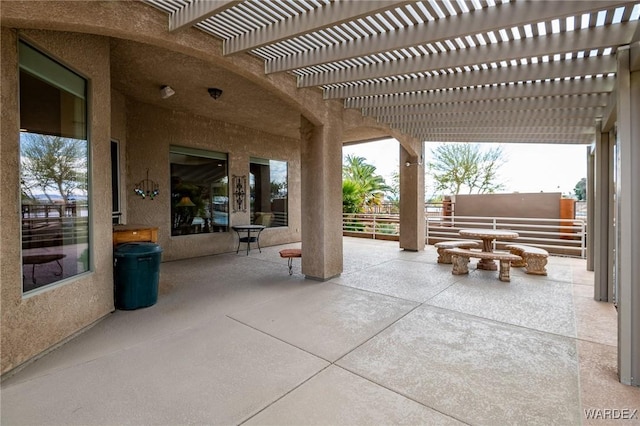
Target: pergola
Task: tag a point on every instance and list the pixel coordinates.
(304, 77)
(473, 71)
(451, 70)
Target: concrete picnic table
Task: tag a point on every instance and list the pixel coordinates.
(488, 236)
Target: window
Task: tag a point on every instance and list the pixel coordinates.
(116, 214)
(199, 191)
(268, 186)
(54, 174)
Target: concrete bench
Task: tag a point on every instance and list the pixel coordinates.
(290, 254)
(444, 257)
(461, 257)
(534, 259)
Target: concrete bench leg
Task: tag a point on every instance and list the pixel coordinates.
(444, 257)
(460, 265)
(536, 265)
(518, 263)
(505, 268)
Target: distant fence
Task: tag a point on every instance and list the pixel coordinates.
(581, 210)
(52, 225)
(558, 236)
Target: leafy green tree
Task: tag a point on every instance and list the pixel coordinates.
(581, 189)
(52, 164)
(458, 166)
(363, 186)
(351, 201)
(393, 194)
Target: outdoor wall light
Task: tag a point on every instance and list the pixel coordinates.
(147, 188)
(214, 92)
(419, 163)
(166, 92)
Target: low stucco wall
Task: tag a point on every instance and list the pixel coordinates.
(32, 324)
(544, 205)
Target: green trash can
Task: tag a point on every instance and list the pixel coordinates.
(136, 273)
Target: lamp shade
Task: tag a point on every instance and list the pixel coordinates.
(185, 202)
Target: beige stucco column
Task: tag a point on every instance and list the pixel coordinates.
(590, 203)
(603, 280)
(321, 184)
(628, 214)
(412, 226)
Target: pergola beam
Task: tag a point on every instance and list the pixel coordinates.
(317, 19)
(502, 130)
(541, 103)
(477, 21)
(537, 118)
(579, 40)
(508, 91)
(473, 114)
(402, 89)
(198, 11)
(548, 139)
(610, 114)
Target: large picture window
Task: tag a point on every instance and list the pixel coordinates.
(199, 191)
(268, 190)
(54, 174)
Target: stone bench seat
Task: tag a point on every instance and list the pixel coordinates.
(290, 254)
(460, 258)
(442, 246)
(534, 259)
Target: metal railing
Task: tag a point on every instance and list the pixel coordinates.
(370, 225)
(558, 236)
(53, 225)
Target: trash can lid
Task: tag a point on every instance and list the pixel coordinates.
(135, 249)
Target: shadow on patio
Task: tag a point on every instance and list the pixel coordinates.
(396, 339)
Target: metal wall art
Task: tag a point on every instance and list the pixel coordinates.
(239, 193)
(147, 188)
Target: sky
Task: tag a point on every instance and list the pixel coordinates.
(528, 167)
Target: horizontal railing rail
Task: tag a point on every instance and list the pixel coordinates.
(558, 236)
(53, 232)
(370, 225)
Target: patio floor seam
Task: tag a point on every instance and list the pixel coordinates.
(287, 392)
(335, 364)
(502, 322)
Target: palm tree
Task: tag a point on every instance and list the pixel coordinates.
(351, 202)
(360, 184)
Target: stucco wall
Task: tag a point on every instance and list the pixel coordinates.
(33, 324)
(151, 131)
(534, 205)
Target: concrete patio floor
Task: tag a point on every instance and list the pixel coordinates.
(396, 339)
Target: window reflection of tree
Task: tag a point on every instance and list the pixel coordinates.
(54, 170)
(268, 192)
(198, 185)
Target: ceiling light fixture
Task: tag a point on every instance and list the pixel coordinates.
(166, 92)
(419, 163)
(214, 92)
